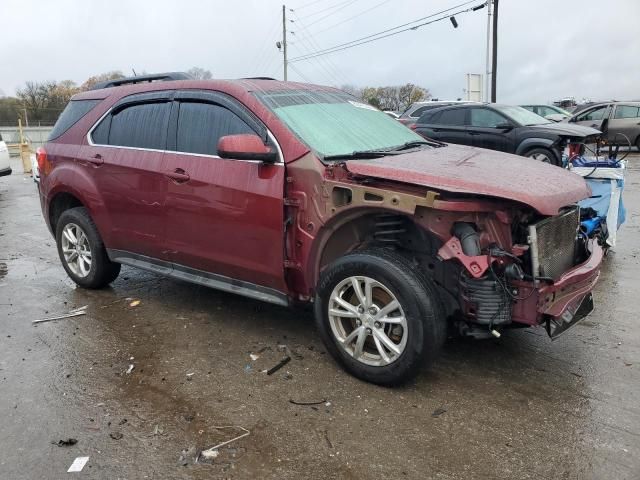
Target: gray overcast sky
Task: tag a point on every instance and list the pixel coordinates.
(548, 48)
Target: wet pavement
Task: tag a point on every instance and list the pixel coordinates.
(520, 407)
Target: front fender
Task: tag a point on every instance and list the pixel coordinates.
(529, 143)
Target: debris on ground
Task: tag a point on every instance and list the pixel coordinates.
(303, 403)
(73, 313)
(208, 456)
(187, 456)
(438, 411)
(78, 464)
(130, 369)
(254, 356)
(158, 430)
(134, 303)
(116, 435)
(279, 365)
(209, 451)
(190, 376)
(66, 442)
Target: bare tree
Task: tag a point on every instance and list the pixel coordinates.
(199, 73)
(103, 77)
(395, 98)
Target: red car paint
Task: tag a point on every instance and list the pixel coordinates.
(273, 224)
(481, 172)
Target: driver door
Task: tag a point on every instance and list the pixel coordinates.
(224, 216)
(483, 128)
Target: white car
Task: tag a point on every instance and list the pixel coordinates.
(5, 167)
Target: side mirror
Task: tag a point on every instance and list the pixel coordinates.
(506, 126)
(245, 147)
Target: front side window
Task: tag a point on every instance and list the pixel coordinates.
(595, 114)
(627, 111)
(485, 118)
(521, 115)
(200, 126)
(334, 123)
(138, 126)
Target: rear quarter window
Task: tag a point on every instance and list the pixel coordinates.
(74, 111)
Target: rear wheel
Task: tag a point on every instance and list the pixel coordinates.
(638, 143)
(81, 250)
(378, 316)
(542, 155)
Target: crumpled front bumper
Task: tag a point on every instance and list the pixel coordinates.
(561, 304)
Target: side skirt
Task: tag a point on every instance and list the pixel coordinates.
(192, 275)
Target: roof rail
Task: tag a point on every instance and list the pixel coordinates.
(159, 77)
(259, 78)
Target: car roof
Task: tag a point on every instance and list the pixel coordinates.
(244, 85)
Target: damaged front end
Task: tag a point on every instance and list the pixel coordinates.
(543, 277)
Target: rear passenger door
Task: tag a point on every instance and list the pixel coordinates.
(226, 216)
(124, 158)
(446, 125)
(484, 131)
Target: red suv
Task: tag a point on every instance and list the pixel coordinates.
(288, 192)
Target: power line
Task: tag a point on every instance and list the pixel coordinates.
(308, 4)
(354, 16)
(330, 7)
(335, 73)
(350, 2)
(397, 26)
(379, 36)
(300, 74)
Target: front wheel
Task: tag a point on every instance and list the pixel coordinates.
(542, 155)
(379, 317)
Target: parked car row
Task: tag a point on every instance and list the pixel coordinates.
(503, 128)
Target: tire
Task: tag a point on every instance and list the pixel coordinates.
(417, 341)
(638, 143)
(541, 154)
(85, 261)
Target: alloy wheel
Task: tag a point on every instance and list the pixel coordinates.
(76, 250)
(368, 321)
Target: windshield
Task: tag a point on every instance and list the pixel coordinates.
(334, 124)
(521, 115)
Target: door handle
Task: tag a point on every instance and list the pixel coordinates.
(95, 159)
(178, 175)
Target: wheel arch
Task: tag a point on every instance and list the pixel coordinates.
(357, 229)
(530, 143)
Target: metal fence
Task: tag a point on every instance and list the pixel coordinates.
(35, 136)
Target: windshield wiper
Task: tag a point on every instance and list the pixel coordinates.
(359, 154)
(416, 143)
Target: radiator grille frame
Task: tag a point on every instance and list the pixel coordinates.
(553, 243)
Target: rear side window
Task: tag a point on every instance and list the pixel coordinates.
(627, 111)
(74, 111)
(200, 126)
(454, 117)
(139, 126)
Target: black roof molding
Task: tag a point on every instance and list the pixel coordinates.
(156, 77)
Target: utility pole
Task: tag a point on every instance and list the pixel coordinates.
(284, 39)
(488, 66)
(494, 56)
